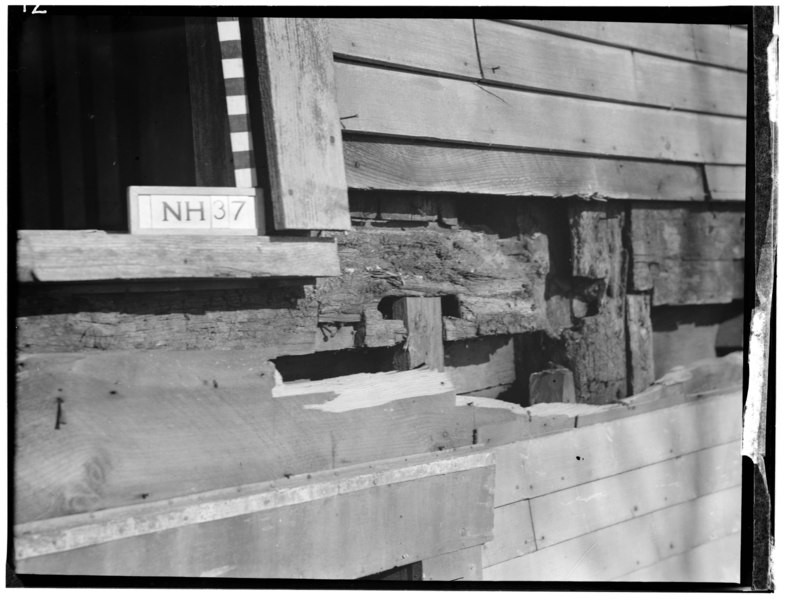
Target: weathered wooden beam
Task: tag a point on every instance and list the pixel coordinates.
(462, 111)
(282, 529)
(374, 163)
(688, 255)
(422, 317)
(479, 364)
(108, 429)
(301, 126)
(51, 256)
(595, 234)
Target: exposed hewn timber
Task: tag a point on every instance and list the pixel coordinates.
(51, 256)
(688, 255)
(106, 429)
(302, 133)
(714, 44)
(399, 165)
(422, 317)
(440, 46)
(477, 364)
(640, 344)
(541, 60)
(499, 286)
(463, 111)
(597, 253)
(286, 529)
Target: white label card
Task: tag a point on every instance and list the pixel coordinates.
(195, 210)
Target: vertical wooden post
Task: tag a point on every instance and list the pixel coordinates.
(422, 317)
(211, 145)
(640, 344)
(294, 81)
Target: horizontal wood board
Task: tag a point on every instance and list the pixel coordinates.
(370, 100)
(609, 553)
(399, 165)
(720, 45)
(525, 469)
(442, 46)
(59, 256)
(297, 538)
(540, 60)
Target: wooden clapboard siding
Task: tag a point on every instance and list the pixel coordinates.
(395, 165)
(727, 182)
(699, 564)
(301, 128)
(442, 46)
(410, 105)
(579, 510)
(525, 469)
(540, 60)
(714, 44)
(689, 86)
(95, 255)
(107, 429)
(513, 534)
(611, 552)
(320, 526)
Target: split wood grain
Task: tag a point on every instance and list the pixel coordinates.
(714, 44)
(540, 60)
(440, 46)
(611, 552)
(400, 165)
(108, 429)
(49, 256)
(302, 130)
(422, 317)
(286, 529)
(462, 111)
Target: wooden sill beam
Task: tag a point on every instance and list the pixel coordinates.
(60, 256)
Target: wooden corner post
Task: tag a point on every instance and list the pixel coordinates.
(295, 85)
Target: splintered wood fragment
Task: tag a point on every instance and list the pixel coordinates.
(554, 385)
(640, 345)
(302, 129)
(422, 317)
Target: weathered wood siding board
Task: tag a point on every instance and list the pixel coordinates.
(289, 529)
(109, 429)
(477, 364)
(580, 510)
(440, 46)
(646, 540)
(302, 130)
(400, 165)
(462, 111)
(525, 469)
(62, 256)
(719, 45)
(727, 182)
(464, 564)
(688, 256)
(539, 60)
